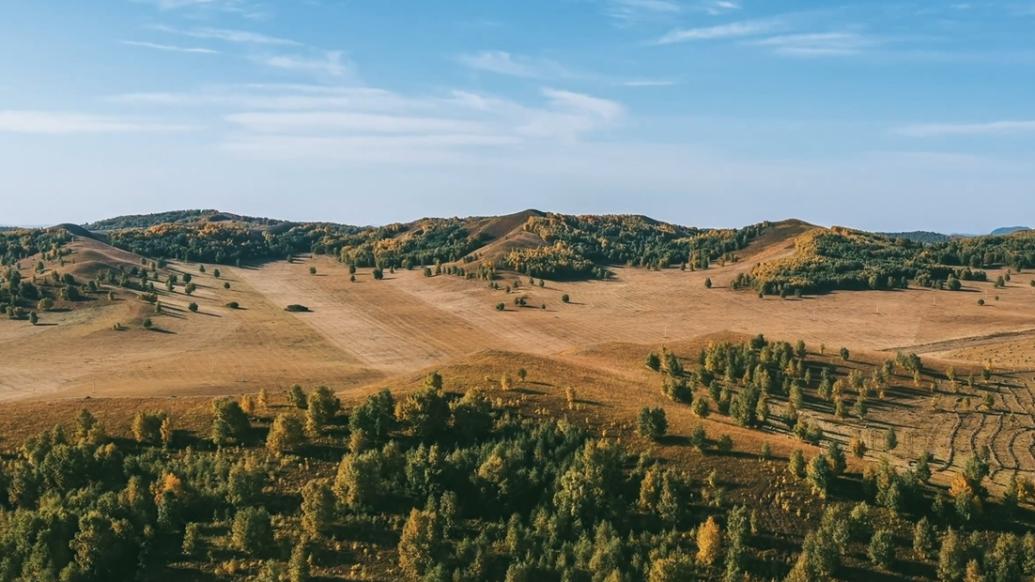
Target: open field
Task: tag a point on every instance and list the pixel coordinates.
(368, 333)
(584, 361)
(369, 330)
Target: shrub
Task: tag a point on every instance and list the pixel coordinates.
(193, 307)
(565, 298)
(233, 305)
(725, 444)
(296, 308)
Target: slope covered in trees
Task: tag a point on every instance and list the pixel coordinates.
(841, 258)
(555, 245)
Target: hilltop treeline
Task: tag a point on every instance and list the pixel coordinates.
(572, 246)
(173, 216)
(18, 244)
(582, 246)
(840, 258)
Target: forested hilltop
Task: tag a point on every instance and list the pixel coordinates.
(556, 246)
(534, 243)
(842, 258)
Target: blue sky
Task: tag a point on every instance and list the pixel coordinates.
(882, 115)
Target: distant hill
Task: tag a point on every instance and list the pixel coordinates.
(1005, 230)
(919, 236)
(174, 217)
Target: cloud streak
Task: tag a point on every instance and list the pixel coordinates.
(170, 48)
(824, 44)
(632, 11)
(330, 64)
(228, 35)
(507, 64)
(68, 123)
(991, 128)
(732, 30)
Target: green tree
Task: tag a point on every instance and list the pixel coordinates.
(836, 458)
(375, 417)
(358, 481)
(229, 422)
(147, 427)
(923, 540)
(297, 397)
(252, 531)
(323, 406)
(285, 434)
(426, 412)
(952, 557)
(317, 508)
(652, 423)
(819, 475)
(419, 544)
(796, 464)
(881, 550)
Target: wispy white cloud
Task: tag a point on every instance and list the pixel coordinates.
(332, 121)
(604, 109)
(229, 35)
(170, 48)
(244, 8)
(329, 64)
(967, 129)
(742, 29)
(823, 44)
(278, 96)
(631, 11)
(64, 122)
(648, 83)
(505, 63)
(716, 7)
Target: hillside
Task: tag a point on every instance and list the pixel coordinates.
(844, 259)
(530, 242)
(546, 381)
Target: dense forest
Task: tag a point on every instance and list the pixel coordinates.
(572, 247)
(173, 216)
(465, 489)
(582, 246)
(438, 486)
(841, 258)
